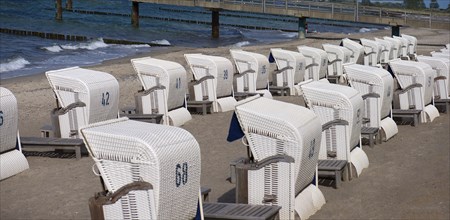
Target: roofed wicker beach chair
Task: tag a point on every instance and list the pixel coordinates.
(442, 68)
(12, 161)
(284, 143)
(396, 44)
(253, 72)
(445, 55)
(318, 60)
(356, 48)
(404, 47)
(416, 81)
(412, 46)
(373, 50)
(290, 68)
(83, 97)
(386, 51)
(165, 87)
(213, 77)
(376, 87)
(337, 57)
(340, 109)
(150, 171)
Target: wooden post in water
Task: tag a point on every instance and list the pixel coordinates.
(58, 4)
(135, 14)
(69, 5)
(215, 23)
(302, 27)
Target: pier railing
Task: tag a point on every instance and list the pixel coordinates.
(325, 10)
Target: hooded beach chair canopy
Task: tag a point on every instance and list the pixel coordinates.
(167, 157)
(12, 161)
(357, 50)
(274, 128)
(337, 56)
(291, 67)
(442, 68)
(316, 57)
(170, 98)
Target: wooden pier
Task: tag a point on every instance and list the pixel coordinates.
(302, 10)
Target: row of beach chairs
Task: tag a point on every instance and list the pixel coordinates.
(144, 166)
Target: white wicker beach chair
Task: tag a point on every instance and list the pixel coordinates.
(445, 55)
(85, 97)
(290, 68)
(317, 59)
(386, 51)
(12, 161)
(377, 84)
(284, 140)
(372, 50)
(396, 44)
(216, 76)
(337, 57)
(357, 50)
(165, 87)
(167, 157)
(420, 78)
(253, 71)
(412, 46)
(442, 68)
(333, 102)
(404, 47)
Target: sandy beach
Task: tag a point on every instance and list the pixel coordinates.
(408, 177)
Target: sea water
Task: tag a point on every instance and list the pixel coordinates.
(26, 55)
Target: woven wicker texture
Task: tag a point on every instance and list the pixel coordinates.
(442, 67)
(318, 57)
(251, 61)
(387, 50)
(404, 45)
(412, 48)
(293, 59)
(336, 52)
(367, 79)
(98, 90)
(396, 43)
(8, 120)
(331, 102)
(275, 128)
(165, 156)
(12, 163)
(357, 50)
(410, 72)
(373, 48)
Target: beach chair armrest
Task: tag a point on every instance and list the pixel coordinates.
(244, 73)
(367, 54)
(334, 123)
(370, 95)
(267, 161)
(415, 85)
(63, 111)
(152, 89)
(311, 65)
(199, 81)
(124, 190)
(283, 69)
(334, 61)
(440, 78)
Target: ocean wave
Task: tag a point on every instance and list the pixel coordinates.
(91, 45)
(13, 64)
(162, 42)
(241, 44)
(134, 46)
(54, 48)
(364, 30)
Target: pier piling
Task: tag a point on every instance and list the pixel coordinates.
(215, 23)
(135, 14)
(69, 5)
(302, 27)
(58, 4)
(395, 30)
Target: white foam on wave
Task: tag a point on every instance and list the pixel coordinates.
(54, 48)
(92, 45)
(364, 30)
(241, 44)
(134, 46)
(13, 64)
(162, 42)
